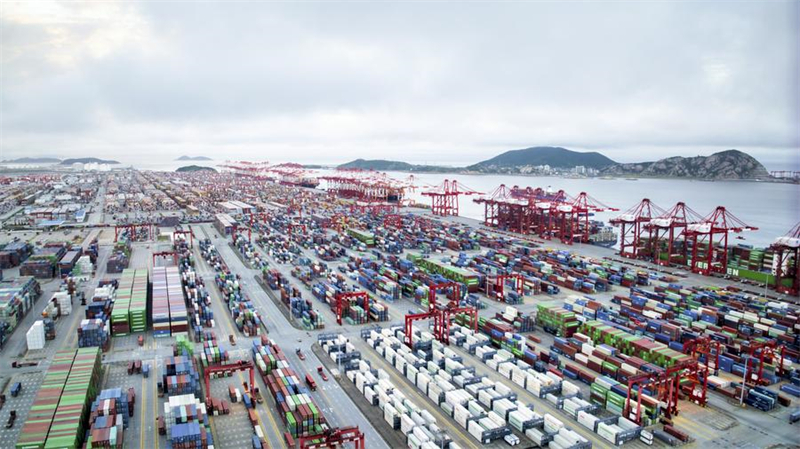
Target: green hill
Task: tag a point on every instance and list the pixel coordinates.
(517, 161)
(193, 168)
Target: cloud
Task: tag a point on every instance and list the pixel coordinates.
(438, 83)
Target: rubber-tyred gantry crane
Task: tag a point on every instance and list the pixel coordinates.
(448, 313)
(134, 231)
(334, 438)
(496, 285)
(667, 384)
(442, 314)
(341, 298)
(764, 351)
(632, 223)
(165, 255)
(710, 240)
(227, 369)
(184, 233)
(704, 346)
(235, 230)
(787, 253)
(667, 234)
(444, 197)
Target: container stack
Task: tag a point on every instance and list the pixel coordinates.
(187, 423)
(16, 299)
(64, 302)
(35, 336)
(83, 268)
(632, 345)
(197, 299)
(58, 417)
(172, 317)
(180, 376)
(161, 306)
(110, 402)
(109, 417)
(212, 354)
(42, 265)
(137, 311)
(178, 317)
(120, 315)
(298, 411)
(302, 309)
(242, 310)
(555, 319)
(14, 254)
(93, 332)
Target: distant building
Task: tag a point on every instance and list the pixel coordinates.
(579, 169)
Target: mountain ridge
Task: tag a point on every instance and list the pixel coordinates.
(194, 158)
(88, 160)
(722, 165)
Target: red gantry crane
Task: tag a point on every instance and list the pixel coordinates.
(496, 285)
(710, 240)
(633, 226)
(184, 233)
(667, 385)
(347, 297)
(572, 219)
(667, 232)
(442, 314)
(444, 197)
(787, 255)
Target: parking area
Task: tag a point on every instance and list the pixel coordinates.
(31, 382)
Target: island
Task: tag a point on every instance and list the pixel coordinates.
(194, 158)
(33, 160)
(726, 165)
(194, 168)
(88, 160)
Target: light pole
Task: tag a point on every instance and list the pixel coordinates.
(744, 381)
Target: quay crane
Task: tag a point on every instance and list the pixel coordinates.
(633, 226)
(712, 233)
(444, 197)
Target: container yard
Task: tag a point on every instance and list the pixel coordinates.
(291, 314)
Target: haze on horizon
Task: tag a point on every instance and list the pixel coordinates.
(439, 83)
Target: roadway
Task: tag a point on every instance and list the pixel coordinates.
(338, 408)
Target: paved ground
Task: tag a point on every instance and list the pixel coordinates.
(720, 425)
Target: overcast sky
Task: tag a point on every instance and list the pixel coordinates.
(441, 82)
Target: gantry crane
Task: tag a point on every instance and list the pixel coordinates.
(442, 314)
(633, 225)
(448, 312)
(704, 346)
(495, 285)
(444, 197)
(712, 234)
(334, 438)
(228, 370)
(572, 219)
(787, 253)
(764, 351)
(235, 230)
(667, 384)
(341, 298)
(134, 231)
(184, 233)
(667, 230)
(165, 254)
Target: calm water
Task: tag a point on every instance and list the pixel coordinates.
(772, 207)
